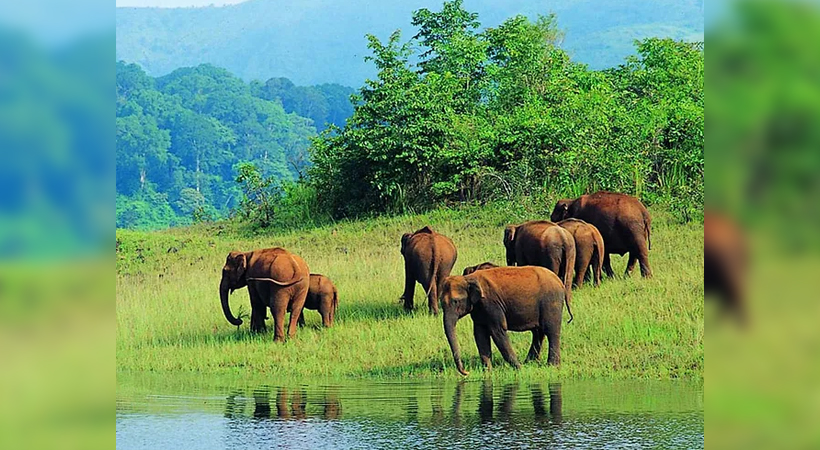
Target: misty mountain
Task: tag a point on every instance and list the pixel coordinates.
(323, 41)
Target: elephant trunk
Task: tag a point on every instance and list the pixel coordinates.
(450, 319)
(224, 291)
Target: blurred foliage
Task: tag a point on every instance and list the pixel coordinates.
(504, 112)
(761, 386)
(180, 138)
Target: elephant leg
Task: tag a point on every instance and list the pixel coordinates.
(301, 320)
(326, 310)
(502, 341)
(482, 341)
(537, 342)
(631, 264)
(643, 259)
(409, 287)
(553, 333)
(297, 306)
(279, 310)
(608, 266)
(258, 310)
(597, 265)
(582, 259)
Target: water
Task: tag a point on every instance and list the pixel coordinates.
(163, 414)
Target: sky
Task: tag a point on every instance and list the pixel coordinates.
(176, 3)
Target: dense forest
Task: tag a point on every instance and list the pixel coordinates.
(322, 41)
(504, 113)
(181, 136)
(456, 113)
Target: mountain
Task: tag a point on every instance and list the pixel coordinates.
(323, 41)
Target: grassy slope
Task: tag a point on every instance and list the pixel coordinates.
(169, 318)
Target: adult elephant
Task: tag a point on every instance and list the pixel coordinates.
(323, 297)
(505, 299)
(623, 221)
(276, 279)
(725, 264)
(428, 259)
(543, 243)
(589, 249)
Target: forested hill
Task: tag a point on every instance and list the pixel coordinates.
(322, 41)
(181, 136)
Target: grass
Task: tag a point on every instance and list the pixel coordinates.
(169, 318)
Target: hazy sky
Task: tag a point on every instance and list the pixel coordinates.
(175, 3)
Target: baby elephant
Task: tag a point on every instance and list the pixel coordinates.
(528, 298)
(482, 266)
(323, 297)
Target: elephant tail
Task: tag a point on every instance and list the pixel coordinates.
(434, 273)
(277, 282)
(569, 266)
(335, 298)
(647, 227)
(296, 278)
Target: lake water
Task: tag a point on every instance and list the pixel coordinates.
(160, 412)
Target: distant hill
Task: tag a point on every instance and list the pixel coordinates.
(322, 41)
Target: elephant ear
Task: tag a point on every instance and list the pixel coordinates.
(241, 263)
(509, 235)
(405, 237)
(474, 291)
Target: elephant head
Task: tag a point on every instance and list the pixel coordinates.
(458, 296)
(404, 238)
(509, 243)
(233, 277)
(561, 210)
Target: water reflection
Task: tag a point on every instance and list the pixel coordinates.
(483, 414)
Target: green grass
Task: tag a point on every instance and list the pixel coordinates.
(169, 318)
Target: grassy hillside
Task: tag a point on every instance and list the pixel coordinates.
(322, 41)
(169, 318)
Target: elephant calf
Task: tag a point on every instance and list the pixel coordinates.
(505, 298)
(589, 249)
(323, 297)
(482, 266)
(428, 258)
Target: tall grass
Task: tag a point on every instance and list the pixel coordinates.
(169, 318)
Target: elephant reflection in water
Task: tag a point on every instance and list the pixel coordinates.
(289, 405)
(507, 402)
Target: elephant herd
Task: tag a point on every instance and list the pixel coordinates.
(545, 258)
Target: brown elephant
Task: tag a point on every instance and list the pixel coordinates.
(428, 258)
(622, 220)
(589, 249)
(276, 279)
(323, 297)
(542, 243)
(725, 263)
(482, 266)
(505, 299)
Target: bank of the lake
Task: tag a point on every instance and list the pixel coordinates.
(169, 319)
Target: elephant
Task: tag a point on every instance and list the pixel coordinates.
(589, 249)
(622, 220)
(725, 261)
(263, 272)
(482, 266)
(428, 258)
(323, 297)
(543, 243)
(528, 298)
